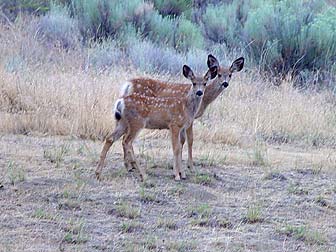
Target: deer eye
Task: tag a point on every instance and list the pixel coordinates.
(204, 83)
(194, 84)
(230, 75)
(219, 75)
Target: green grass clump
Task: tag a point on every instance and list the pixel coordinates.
(253, 215)
(42, 214)
(168, 224)
(305, 234)
(147, 196)
(56, 155)
(296, 189)
(200, 211)
(127, 211)
(15, 173)
(203, 179)
(75, 232)
(259, 155)
(129, 227)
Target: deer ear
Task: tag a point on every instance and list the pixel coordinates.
(211, 74)
(188, 73)
(212, 61)
(237, 65)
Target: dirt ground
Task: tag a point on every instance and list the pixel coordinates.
(51, 201)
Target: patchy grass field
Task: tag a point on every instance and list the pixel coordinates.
(50, 200)
(265, 158)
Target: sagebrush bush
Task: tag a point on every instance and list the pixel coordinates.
(222, 23)
(14, 64)
(287, 36)
(151, 58)
(197, 59)
(103, 18)
(173, 7)
(11, 8)
(188, 36)
(105, 55)
(58, 28)
(321, 34)
(128, 35)
(142, 16)
(282, 39)
(162, 29)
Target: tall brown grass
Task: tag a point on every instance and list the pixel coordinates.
(54, 91)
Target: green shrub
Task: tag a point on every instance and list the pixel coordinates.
(196, 59)
(318, 39)
(102, 18)
(128, 35)
(285, 36)
(162, 29)
(11, 8)
(57, 27)
(173, 7)
(152, 58)
(223, 23)
(282, 37)
(188, 36)
(15, 63)
(105, 55)
(142, 16)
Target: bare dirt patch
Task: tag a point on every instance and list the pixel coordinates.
(51, 201)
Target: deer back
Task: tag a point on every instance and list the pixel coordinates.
(155, 112)
(156, 88)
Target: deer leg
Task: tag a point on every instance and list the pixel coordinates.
(190, 140)
(116, 134)
(129, 153)
(182, 138)
(176, 142)
(127, 157)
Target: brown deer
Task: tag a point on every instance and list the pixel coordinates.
(154, 88)
(137, 111)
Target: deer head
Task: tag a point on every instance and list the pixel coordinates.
(224, 74)
(199, 83)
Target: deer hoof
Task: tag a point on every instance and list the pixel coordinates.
(143, 177)
(183, 176)
(131, 169)
(98, 175)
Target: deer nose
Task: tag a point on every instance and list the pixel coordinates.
(199, 93)
(225, 84)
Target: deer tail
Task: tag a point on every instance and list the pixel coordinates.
(119, 109)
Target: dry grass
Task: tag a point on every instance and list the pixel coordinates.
(51, 91)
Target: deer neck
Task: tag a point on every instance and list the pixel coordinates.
(193, 103)
(212, 91)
